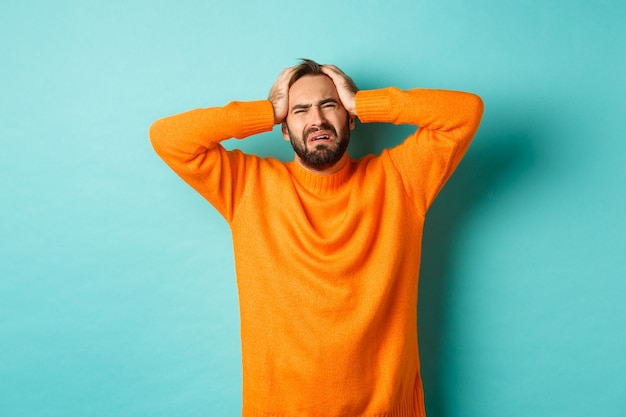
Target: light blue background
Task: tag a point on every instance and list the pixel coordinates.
(117, 289)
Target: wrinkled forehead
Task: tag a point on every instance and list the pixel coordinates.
(311, 89)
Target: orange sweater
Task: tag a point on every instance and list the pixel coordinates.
(327, 266)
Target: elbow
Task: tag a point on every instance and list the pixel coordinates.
(476, 104)
(155, 133)
(475, 107)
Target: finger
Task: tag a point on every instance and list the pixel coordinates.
(332, 71)
(340, 79)
(282, 82)
(286, 74)
(332, 68)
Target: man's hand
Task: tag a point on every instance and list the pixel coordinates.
(345, 87)
(279, 95)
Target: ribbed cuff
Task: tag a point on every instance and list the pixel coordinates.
(373, 105)
(257, 117)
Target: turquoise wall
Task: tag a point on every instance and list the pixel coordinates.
(117, 290)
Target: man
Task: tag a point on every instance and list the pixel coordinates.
(327, 249)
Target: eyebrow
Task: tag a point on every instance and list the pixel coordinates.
(319, 103)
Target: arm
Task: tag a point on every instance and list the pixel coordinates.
(431, 109)
(185, 141)
(447, 120)
(189, 144)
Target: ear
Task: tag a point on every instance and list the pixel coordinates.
(285, 131)
(351, 123)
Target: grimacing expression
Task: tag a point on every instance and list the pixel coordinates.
(317, 124)
(326, 152)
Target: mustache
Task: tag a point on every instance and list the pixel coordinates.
(322, 126)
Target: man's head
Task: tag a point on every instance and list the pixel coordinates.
(317, 124)
(310, 67)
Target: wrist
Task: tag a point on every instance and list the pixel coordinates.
(257, 117)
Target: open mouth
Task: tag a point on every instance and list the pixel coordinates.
(319, 136)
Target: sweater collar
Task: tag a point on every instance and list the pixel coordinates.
(321, 184)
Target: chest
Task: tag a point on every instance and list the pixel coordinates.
(350, 217)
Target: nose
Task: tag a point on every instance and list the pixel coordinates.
(317, 117)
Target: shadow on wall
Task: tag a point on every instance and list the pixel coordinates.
(500, 154)
(504, 154)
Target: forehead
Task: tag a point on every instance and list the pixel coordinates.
(311, 88)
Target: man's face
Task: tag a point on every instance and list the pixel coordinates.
(317, 124)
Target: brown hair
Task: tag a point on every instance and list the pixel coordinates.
(310, 67)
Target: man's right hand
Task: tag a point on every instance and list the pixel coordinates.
(279, 95)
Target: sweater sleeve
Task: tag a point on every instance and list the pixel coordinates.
(190, 144)
(447, 120)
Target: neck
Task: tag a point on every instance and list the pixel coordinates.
(326, 171)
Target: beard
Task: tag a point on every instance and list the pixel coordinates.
(324, 155)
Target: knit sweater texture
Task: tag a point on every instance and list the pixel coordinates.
(327, 266)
